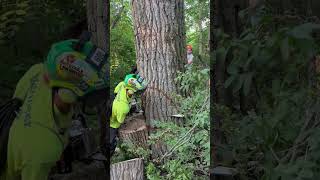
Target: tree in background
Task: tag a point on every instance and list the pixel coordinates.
(160, 51)
(227, 20)
(98, 14)
(270, 62)
(27, 30)
(122, 50)
(98, 23)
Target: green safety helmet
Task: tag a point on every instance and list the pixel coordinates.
(135, 82)
(82, 71)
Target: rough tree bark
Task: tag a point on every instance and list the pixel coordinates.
(160, 51)
(200, 29)
(135, 131)
(128, 170)
(98, 18)
(98, 25)
(98, 22)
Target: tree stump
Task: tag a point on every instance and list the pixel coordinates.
(127, 170)
(135, 131)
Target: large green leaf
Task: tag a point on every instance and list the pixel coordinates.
(8, 13)
(229, 81)
(304, 31)
(233, 69)
(249, 37)
(306, 173)
(21, 12)
(23, 4)
(247, 83)
(246, 65)
(221, 53)
(285, 49)
(239, 83)
(19, 20)
(276, 84)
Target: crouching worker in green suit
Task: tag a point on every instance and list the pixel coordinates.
(48, 92)
(124, 91)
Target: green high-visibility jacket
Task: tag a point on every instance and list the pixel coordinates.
(34, 143)
(120, 106)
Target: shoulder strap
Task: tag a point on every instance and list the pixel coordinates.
(7, 116)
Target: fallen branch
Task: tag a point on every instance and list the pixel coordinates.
(274, 154)
(169, 153)
(303, 134)
(181, 141)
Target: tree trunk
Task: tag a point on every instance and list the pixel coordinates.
(160, 41)
(200, 29)
(99, 26)
(225, 17)
(137, 137)
(128, 170)
(160, 51)
(135, 131)
(98, 19)
(98, 22)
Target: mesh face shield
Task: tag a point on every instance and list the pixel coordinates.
(136, 82)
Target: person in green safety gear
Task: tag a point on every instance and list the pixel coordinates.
(124, 91)
(48, 91)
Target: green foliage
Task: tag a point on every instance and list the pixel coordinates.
(178, 170)
(197, 29)
(11, 20)
(276, 139)
(27, 31)
(127, 151)
(152, 172)
(193, 81)
(122, 48)
(188, 145)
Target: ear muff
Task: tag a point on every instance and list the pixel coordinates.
(67, 95)
(130, 92)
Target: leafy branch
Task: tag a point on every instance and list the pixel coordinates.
(184, 138)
